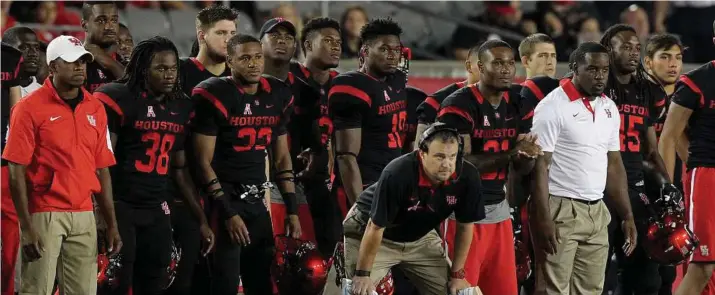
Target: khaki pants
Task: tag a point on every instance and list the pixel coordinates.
(579, 265)
(423, 261)
(70, 252)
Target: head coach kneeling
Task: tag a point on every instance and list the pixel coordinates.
(393, 222)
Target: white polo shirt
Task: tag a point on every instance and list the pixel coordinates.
(579, 133)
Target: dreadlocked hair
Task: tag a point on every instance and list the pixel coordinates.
(135, 74)
(379, 27)
(314, 25)
(614, 89)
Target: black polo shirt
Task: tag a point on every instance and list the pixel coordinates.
(405, 202)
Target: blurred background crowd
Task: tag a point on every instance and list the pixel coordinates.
(435, 30)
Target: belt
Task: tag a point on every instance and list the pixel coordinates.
(585, 201)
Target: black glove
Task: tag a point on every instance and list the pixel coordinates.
(671, 195)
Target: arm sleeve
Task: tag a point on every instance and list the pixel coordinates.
(104, 157)
(470, 207)
(455, 115)
(286, 115)
(614, 142)
(427, 110)
(115, 114)
(687, 94)
(206, 114)
(347, 105)
(528, 103)
(20, 144)
(547, 125)
(385, 202)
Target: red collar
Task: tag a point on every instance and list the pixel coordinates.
(265, 85)
(478, 95)
(424, 181)
(571, 91)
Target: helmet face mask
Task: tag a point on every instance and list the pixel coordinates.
(668, 239)
(298, 267)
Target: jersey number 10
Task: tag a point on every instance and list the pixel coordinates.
(394, 139)
(158, 153)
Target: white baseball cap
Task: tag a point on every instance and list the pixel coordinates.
(67, 48)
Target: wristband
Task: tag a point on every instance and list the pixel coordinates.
(210, 183)
(291, 203)
(362, 273)
(460, 274)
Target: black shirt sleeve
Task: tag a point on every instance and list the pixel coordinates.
(111, 97)
(206, 115)
(288, 100)
(687, 94)
(386, 196)
(470, 206)
(348, 103)
(453, 113)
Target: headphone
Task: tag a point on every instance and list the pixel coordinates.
(432, 131)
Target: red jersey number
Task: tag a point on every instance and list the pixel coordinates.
(256, 138)
(157, 153)
(394, 139)
(495, 146)
(630, 138)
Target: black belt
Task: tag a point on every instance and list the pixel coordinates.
(585, 202)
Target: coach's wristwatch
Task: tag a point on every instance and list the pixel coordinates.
(460, 274)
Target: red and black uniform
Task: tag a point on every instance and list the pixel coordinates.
(244, 125)
(427, 110)
(533, 91)
(10, 229)
(187, 233)
(696, 91)
(415, 97)
(148, 133)
(97, 75)
(493, 129)
(312, 110)
(357, 100)
(640, 275)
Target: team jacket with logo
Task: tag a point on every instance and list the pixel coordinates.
(696, 91)
(244, 124)
(11, 60)
(148, 132)
(635, 121)
(427, 110)
(492, 129)
(357, 100)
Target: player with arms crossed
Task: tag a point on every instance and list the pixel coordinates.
(488, 119)
(237, 119)
(368, 111)
(692, 106)
(147, 117)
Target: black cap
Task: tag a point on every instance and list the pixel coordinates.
(271, 24)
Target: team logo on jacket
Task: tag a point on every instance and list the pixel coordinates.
(150, 112)
(387, 97)
(101, 74)
(247, 110)
(608, 113)
(91, 120)
(486, 122)
(451, 200)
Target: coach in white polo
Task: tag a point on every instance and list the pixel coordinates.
(577, 127)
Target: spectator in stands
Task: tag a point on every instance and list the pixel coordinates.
(125, 44)
(166, 5)
(636, 17)
(46, 14)
(352, 20)
(589, 30)
(50, 14)
(692, 21)
(6, 20)
(25, 39)
(506, 16)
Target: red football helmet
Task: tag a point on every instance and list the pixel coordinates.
(299, 268)
(386, 286)
(522, 254)
(668, 240)
(108, 268)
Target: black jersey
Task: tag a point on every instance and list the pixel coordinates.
(427, 110)
(696, 91)
(493, 129)
(406, 203)
(533, 91)
(11, 60)
(148, 131)
(415, 97)
(379, 108)
(244, 124)
(97, 75)
(635, 121)
(193, 72)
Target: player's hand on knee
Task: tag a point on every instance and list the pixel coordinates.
(362, 285)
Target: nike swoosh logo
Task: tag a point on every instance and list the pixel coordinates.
(268, 106)
(508, 119)
(55, 118)
(574, 115)
(173, 114)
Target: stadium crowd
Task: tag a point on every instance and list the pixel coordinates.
(253, 166)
